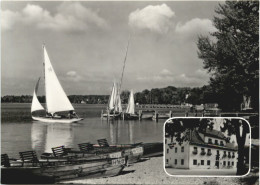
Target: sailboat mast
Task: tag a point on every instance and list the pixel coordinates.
(46, 107)
(124, 66)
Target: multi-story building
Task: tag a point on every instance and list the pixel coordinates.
(201, 150)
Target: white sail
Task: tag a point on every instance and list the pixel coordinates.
(36, 105)
(112, 99)
(131, 104)
(56, 99)
(118, 103)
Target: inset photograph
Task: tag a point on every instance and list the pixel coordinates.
(207, 146)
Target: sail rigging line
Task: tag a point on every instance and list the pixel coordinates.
(121, 80)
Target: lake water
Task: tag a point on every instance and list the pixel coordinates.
(20, 133)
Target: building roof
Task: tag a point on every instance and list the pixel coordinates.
(195, 139)
(214, 133)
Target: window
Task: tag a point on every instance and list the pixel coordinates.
(167, 150)
(202, 162)
(176, 150)
(182, 162)
(224, 163)
(165, 141)
(209, 152)
(195, 151)
(210, 141)
(228, 163)
(167, 160)
(218, 152)
(225, 154)
(203, 151)
(221, 143)
(175, 161)
(194, 162)
(216, 142)
(182, 149)
(232, 163)
(208, 162)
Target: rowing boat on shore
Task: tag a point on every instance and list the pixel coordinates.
(31, 170)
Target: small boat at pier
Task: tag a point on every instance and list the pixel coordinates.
(56, 99)
(114, 108)
(130, 113)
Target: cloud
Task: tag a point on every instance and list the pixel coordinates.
(73, 76)
(165, 77)
(194, 27)
(70, 17)
(8, 19)
(154, 18)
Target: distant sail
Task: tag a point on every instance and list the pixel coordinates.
(56, 99)
(131, 104)
(36, 105)
(112, 99)
(118, 106)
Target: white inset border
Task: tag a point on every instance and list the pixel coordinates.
(207, 175)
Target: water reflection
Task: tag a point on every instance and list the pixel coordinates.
(113, 128)
(45, 136)
(131, 131)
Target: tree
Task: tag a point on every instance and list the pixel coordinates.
(125, 96)
(231, 54)
(232, 126)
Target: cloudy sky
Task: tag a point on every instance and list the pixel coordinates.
(86, 42)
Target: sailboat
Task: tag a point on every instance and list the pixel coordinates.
(114, 108)
(130, 110)
(56, 99)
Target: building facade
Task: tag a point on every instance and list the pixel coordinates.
(201, 150)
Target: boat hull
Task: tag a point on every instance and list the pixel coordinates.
(130, 152)
(56, 173)
(111, 116)
(56, 120)
(130, 116)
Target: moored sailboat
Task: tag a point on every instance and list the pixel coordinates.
(114, 108)
(56, 98)
(130, 110)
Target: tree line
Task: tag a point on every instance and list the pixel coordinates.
(168, 95)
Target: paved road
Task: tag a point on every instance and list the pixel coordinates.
(202, 172)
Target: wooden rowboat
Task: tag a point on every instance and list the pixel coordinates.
(31, 170)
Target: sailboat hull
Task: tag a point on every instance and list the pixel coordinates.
(111, 116)
(55, 120)
(127, 116)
